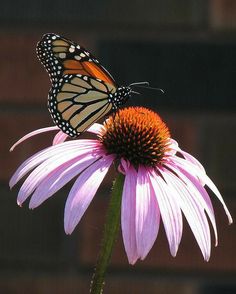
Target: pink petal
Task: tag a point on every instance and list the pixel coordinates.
(60, 177)
(170, 211)
(46, 153)
(46, 167)
(59, 138)
(83, 192)
(193, 212)
(147, 214)
(128, 215)
(31, 134)
(214, 189)
(172, 147)
(192, 159)
(174, 143)
(96, 128)
(199, 193)
(196, 172)
(123, 166)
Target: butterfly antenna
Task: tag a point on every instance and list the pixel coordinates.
(139, 84)
(152, 88)
(134, 92)
(145, 85)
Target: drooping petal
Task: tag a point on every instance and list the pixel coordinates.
(31, 134)
(47, 153)
(174, 144)
(201, 195)
(128, 214)
(83, 192)
(48, 166)
(197, 172)
(193, 212)
(60, 177)
(214, 189)
(59, 138)
(170, 211)
(147, 214)
(192, 159)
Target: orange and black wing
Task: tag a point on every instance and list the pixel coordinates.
(81, 90)
(61, 56)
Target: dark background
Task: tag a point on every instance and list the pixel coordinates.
(185, 47)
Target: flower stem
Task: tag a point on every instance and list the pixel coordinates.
(111, 228)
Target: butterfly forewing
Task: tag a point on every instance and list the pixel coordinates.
(61, 56)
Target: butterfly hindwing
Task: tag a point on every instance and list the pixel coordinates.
(77, 101)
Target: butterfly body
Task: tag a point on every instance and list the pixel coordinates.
(82, 90)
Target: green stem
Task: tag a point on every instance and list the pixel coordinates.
(111, 228)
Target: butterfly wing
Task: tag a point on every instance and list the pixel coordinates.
(81, 87)
(79, 101)
(61, 56)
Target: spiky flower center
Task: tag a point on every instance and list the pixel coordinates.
(137, 134)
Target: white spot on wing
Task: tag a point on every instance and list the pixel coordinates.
(71, 49)
(62, 55)
(77, 57)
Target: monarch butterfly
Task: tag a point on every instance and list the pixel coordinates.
(82, 89)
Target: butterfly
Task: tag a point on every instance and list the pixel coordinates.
(82, 91)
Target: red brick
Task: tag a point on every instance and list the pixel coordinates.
(222, 14)
(183, 128)
(218, 146)
(23, 79)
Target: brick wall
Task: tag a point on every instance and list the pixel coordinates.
(35, 254)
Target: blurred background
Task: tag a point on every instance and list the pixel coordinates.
(186, 47)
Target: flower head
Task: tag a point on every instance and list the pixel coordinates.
(137, 135)
(162, 182)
